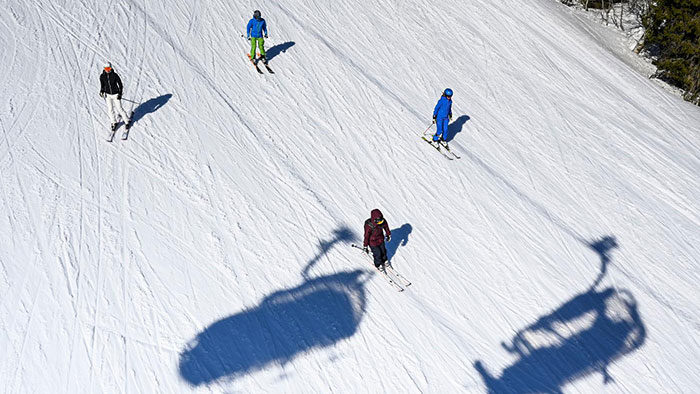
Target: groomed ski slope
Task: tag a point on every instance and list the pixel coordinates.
(211, 252)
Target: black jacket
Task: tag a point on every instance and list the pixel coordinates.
(111, 83)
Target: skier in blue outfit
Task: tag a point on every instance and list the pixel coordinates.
(442, 115)
(257, 27)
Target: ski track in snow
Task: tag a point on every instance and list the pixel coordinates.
(234, 201)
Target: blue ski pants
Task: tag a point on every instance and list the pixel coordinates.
(441, 129)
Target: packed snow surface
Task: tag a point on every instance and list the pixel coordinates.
(210, 252)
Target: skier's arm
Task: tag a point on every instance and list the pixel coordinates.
(437, 107)
(366, 240)
(249, 28)
(118, 83)
(120, 87)
(264, 28)
(388, 232)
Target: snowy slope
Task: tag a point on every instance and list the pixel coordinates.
(211, 251)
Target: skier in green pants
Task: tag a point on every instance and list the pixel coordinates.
(255, 31)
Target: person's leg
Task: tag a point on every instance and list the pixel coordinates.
(442, 128)
(377, 254)
(261, 46)
(110, 98)
(382, 249)
(438, 130)
(253, 40)
(120, 109)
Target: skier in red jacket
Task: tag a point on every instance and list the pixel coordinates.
(375, 228)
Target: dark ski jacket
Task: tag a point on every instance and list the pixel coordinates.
(110, 83)
(374, 233)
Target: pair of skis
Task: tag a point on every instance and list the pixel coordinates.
(447, 152)
(388, 272)
(125, 134)
(255, 64)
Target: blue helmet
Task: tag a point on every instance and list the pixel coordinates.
(448, 92)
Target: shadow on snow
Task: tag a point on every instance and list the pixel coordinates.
(582, 336)
(316, 314)
(150, 106)
(455, 127)
(277, 49)
(399, 237)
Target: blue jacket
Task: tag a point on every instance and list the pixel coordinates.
(443, 108)
(256, 28)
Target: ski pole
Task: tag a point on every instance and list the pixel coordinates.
(357, 247)
(426, 130)
(133, 102)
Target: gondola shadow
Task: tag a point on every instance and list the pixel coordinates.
(583, 336)
(287, 323)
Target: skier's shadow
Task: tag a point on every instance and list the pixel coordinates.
(399, 237)
(150, 106)
(277, 49)
(316, 314)
(455, 127)
(582, 336)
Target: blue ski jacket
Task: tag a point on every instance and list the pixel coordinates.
(443, 108)
(256, 28)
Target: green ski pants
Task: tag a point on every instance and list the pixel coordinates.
(260, 43)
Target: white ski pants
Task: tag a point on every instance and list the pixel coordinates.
(115, 105)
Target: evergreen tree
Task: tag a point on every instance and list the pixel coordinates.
(673, 37)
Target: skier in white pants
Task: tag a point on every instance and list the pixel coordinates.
(111, 90)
